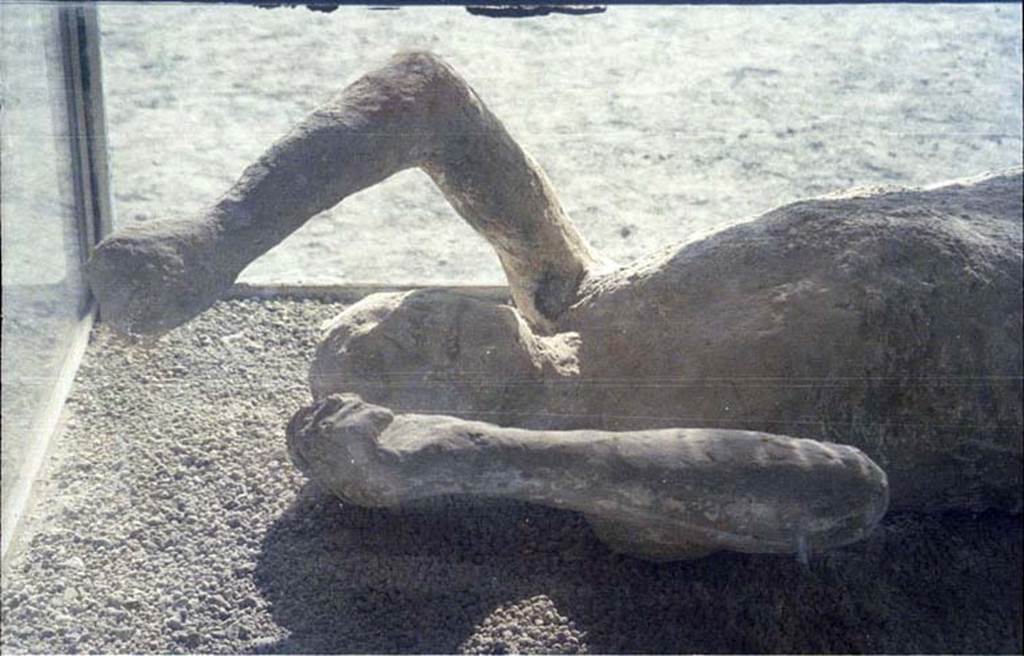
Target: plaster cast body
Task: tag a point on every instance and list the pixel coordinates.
(888, 320)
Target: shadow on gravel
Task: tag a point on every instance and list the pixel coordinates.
(422, 579)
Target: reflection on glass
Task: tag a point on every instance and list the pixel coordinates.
(43, 292)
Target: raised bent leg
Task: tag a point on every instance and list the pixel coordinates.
(661, 494)
(414, 112)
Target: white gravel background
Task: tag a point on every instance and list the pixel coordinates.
(654, 123)
(171, 521)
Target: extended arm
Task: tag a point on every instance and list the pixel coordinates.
(659, 493)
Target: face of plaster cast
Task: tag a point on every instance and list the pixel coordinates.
(435, 350)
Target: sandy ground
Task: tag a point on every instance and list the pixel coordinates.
(172, 521)
(654, 123)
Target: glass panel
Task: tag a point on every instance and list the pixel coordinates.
(43, 292)
(653, 123)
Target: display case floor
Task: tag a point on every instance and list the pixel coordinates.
(171, 520)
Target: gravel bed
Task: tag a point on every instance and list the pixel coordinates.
(171, 520)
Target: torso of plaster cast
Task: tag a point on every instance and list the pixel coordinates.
(889, 320)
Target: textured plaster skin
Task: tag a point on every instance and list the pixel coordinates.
(666, 493)
(885, 319)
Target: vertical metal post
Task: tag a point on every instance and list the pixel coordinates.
(80, 45)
